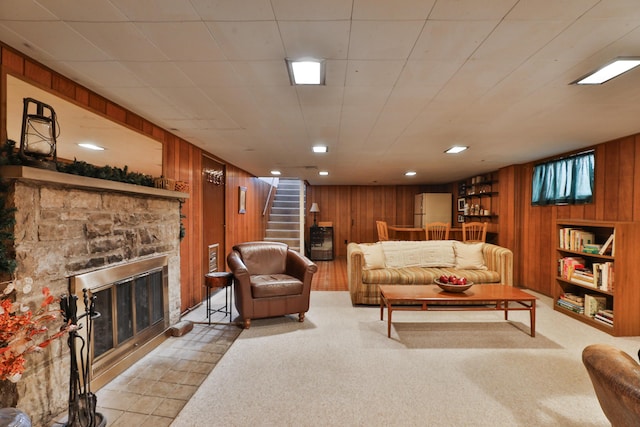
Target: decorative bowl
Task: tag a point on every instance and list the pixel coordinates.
(448, 287)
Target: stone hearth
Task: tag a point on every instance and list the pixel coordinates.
(68, 225)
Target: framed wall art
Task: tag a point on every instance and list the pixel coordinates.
(242, 200)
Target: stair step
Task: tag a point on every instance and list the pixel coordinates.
(284, 218)
(292, 212)
(283, 225)
(283, 234)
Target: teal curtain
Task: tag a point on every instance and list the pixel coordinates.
(564, 181)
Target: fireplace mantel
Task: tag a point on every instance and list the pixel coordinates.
(52, 177)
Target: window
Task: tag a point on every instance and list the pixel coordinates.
(564, 181)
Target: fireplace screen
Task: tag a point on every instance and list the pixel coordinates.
(127, 309)
(132, 300)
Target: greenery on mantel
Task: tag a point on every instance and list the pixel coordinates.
(7, 221)
(8, 156)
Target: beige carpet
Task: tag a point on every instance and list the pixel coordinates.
(438, 369)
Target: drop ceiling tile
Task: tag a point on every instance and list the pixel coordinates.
(373, 73)
(311, 10)
(392, 10)
(315, 39)
(335, 72)
(451, 40)
(471, 10)
(120, 40)
(146, 101)
(248, 41)
(428, 73)
(197, 105)
(262, 73)
(584, 38)
(183, 41)
(21, 10)
(550, 10)
(210, 73)
(619, 9)
(518, 40)
(106, 74)
(383, 39)
(363, 98)
(158, 74)
(157, 10)
(91, 10)
(246, 10)
(56, 40)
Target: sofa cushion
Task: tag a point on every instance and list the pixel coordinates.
(429, 253)
(424, 276)
(373, 256)
(469, 256)
(274, 285)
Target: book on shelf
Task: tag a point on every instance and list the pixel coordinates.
(608, 246)
(593, 304)
(592, 248)
(571, 302)
(575, 239)
(608, 314)
(601, 317)
(568, 264)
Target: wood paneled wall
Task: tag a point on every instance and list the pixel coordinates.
(181, 161)
(616, 198)
(354, 209)
(528, 231)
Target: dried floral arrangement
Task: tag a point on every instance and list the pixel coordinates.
(23, 331)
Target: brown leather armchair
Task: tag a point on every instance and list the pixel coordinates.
(270, 280)
(616, 380)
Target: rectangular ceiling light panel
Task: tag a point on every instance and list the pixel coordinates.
(609, 71)
(306, 72)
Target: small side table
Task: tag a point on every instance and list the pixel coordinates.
(219, 279)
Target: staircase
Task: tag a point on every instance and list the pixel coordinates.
(284, 219)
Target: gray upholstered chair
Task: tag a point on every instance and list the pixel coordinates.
(270, 280)
(616, 380)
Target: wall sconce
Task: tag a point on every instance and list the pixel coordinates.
(315, 209)
(38, 138)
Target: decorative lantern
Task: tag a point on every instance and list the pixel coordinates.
(38, 138)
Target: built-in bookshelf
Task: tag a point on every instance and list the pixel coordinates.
(598, 274)
(479, 195)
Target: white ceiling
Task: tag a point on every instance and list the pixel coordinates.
(405, 79)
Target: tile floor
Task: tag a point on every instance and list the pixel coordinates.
(154, 390)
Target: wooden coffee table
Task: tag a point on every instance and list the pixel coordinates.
(421, 298)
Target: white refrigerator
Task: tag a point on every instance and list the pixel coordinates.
(432, 207)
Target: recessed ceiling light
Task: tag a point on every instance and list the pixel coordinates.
(91, 146)
(609, 71)
(323, 173)
(274, 172)
(320, 149)
(410, 173)
(306, 72)
(456, 149)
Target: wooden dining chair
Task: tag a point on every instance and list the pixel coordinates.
(383, 231)
(474, 231)
(437, 230)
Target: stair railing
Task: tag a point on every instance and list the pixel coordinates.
(270, 196)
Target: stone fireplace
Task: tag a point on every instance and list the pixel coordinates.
(119, 241)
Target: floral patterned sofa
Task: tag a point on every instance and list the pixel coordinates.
(420, 263)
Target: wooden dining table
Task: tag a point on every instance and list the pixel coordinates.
(409, 232)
